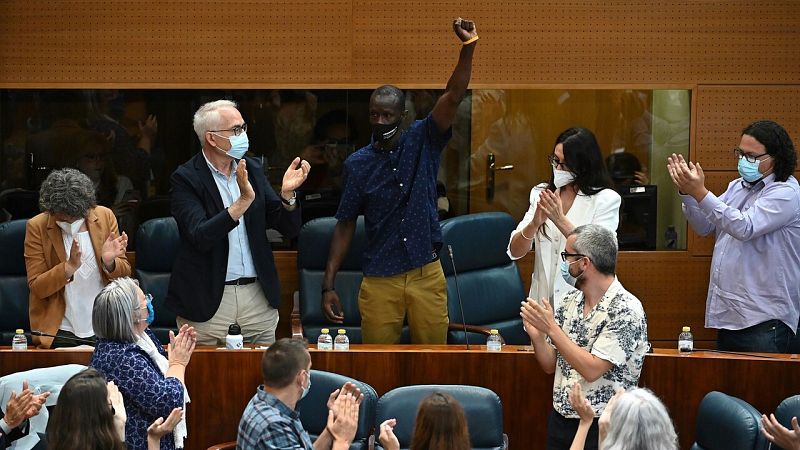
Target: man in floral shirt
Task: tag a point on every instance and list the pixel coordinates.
(597, 337)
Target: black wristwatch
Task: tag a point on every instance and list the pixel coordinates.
(291, 201)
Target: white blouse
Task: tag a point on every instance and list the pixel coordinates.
(600, 209)
(84, 287)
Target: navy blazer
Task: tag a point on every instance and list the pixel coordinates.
(198, 274)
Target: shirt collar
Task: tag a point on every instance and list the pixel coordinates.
(214, 169)
(271, 400)
(769, 179)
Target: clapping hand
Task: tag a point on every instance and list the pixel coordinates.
(180, 347)
(580, 404)
(688, 177)
(550, 203)
(295, 175)
(343, 427)
(540, 316)
(780, 435)
(161, 427)
(386, 437)
(74, 262)
(347, 388)
(113, 248)
(23, 406)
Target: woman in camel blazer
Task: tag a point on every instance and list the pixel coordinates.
(72, 250)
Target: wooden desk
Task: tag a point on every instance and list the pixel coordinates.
(221, 382)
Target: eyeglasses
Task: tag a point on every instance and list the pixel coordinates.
(236, 130)
(555, 162)
(739, 153)
(565, 254)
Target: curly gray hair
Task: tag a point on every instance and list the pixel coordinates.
(67, 191)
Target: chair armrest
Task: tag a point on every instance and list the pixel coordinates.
(225, 446)
(474, 329)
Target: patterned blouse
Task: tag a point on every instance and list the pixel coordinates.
(147, 393)
(614, 330)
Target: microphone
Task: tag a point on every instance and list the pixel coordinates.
(458, 293)
(78, 340)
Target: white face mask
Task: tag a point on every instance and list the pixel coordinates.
(562, 178)
(70, 229)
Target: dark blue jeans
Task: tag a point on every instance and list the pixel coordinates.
(772, 336)
(561, 431)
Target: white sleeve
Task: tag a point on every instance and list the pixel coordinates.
(534, 201)
(606, 212)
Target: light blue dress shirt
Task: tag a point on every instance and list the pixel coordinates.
(755, 270)
(240, 258)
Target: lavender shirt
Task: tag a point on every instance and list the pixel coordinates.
(755, 270)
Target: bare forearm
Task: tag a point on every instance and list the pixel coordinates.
(324, 441)
(520, 246)
(237, 209)
(340, 243)
(545, 355)
(177, 371)
(459, 80)
(580, 436)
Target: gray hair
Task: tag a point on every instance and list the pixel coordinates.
(599, 244)
(640, 421)
(67, 191)
(113, 312)
(207, 117)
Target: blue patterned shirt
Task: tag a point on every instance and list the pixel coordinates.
(147, 393)
(395, 190)
(268, 424)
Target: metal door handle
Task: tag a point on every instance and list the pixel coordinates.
(491, 167)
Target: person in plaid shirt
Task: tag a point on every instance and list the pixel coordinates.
(270, 420)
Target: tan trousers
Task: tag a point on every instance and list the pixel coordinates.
(419, 293)
(245, 305)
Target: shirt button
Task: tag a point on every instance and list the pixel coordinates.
(404, 239)
(401, 184)
(395, 169)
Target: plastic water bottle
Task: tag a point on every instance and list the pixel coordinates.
(342, 342)
(493, 341)
(686, 340)
(325, 341)
(234, 340)
(19, 342)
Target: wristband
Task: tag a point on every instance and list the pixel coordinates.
(471, 40)
(525, 237)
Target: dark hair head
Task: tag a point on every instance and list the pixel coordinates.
(333, 118)
(282, 361)
(388, 90)
(440, 425)
(778, 144)
(582, 156)
(82, 418)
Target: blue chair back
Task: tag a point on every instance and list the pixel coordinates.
(488, 280)
(157, 242)
(312, 255)
(482, 408)
(13, 281)
(314, 412)
(789, 407)
(725, 422)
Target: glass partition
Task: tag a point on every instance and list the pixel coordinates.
(130, 141)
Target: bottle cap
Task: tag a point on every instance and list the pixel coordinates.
(20, 331)
(342, 331)
(325, 331)
(493, 331)
(686, 329)
(234, 329)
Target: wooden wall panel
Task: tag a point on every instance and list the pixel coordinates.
(242, 43)
(723, 111)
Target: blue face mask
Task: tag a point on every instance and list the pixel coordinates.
(566, 275)
(151, 313)
(749, 170)
(239, 145)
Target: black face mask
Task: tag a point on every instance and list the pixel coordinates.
(382, 132)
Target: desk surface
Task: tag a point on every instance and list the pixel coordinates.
(221, 382)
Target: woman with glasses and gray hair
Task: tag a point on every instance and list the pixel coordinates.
(129, 354)
(72, 249)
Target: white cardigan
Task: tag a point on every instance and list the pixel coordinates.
(600, 209)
